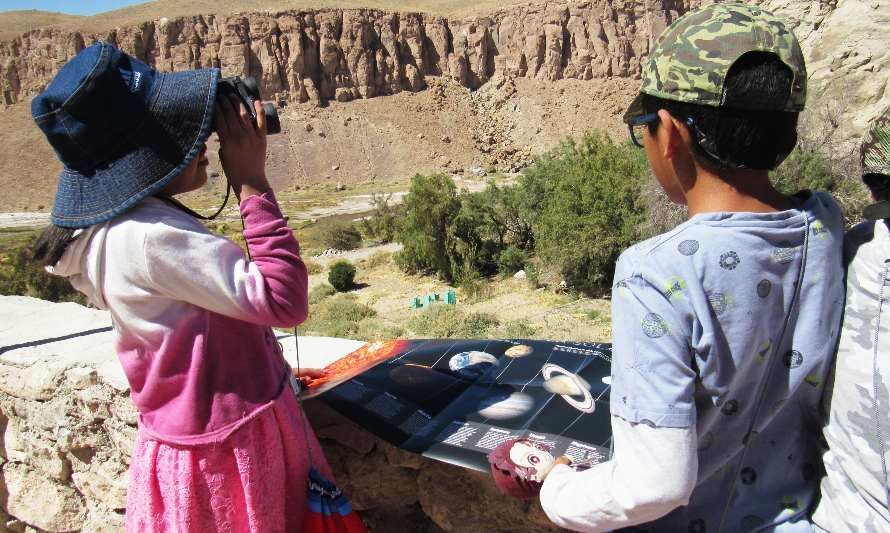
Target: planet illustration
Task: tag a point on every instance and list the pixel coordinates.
(571, 387)
(520, 350)
(418, 376)
(503, 407)
(471, 365)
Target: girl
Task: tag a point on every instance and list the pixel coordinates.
(221, 443)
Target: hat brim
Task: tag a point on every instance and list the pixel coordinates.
(179, 121)
(635, 110)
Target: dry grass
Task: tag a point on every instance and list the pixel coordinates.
(13, 23)
(28, 166)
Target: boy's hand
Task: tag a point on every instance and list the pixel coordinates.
(242, 147)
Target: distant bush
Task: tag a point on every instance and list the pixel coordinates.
(382, 224)
(379, 259)
(807, 169)
(511, 260)
(519, 329)
(341, 275)
(20, 277)
(320, 292)
(339, 316)
(585, 202)
(341, 236)
(312, 267)
(450, 322)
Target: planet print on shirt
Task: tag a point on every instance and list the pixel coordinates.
(654, 326)
(730, 408)
(718, 302)
(764, 288)
(729, 260)
(793, 359)
(688, 248)
(783, 254)
(571, 387)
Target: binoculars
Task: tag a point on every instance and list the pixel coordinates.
(248, 92)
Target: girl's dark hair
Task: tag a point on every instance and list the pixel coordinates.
(739, 132)
(50, 245)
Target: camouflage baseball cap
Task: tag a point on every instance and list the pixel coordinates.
(693, 55)
(875, 154)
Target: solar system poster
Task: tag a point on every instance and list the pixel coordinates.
(456, 400)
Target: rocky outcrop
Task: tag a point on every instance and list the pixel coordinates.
(332, 54)
(341, 55)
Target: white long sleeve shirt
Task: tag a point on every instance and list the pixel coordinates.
(652, 472)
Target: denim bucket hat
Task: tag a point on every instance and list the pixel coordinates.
(122, 130)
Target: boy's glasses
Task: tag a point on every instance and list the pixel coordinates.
(636, 125)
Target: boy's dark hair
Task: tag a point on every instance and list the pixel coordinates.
(733, 135)
(879, 185)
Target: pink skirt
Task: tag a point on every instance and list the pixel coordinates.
(255, 480)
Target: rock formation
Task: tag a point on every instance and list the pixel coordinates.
(341, 55)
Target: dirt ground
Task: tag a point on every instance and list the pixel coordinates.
(389, 291)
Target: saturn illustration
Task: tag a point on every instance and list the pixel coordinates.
(571, 387)
(472, 365)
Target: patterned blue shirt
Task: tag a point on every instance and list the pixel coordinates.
(705, 335)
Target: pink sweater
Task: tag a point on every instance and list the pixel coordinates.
(191, 314)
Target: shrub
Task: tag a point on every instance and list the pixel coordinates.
(320, 292)
(808, 169)
(340, 316)
(379, 259)
(511, 260)
(23, 278)
(430, 206)
(313, 268)
(475, 288)
(449, 322)
(381, 225)
(519, 329)
(342, 275)
(584, 198)
(341, 236)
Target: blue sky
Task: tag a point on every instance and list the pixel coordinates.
(74, 7)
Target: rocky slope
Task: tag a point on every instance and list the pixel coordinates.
(555, 68)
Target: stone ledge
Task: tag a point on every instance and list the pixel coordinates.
(67, 428)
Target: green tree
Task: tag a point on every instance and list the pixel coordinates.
(584, 200)
(430, 207)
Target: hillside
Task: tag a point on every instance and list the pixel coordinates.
(15, 23)
(375, 94)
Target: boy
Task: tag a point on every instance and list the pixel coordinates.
(724, 327)
(855, 489)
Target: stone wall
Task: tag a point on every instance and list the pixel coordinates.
(68, 426)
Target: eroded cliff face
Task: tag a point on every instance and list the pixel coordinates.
(346, 54)
(596, 47)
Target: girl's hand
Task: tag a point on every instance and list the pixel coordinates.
(307, 375)
(242, 147)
